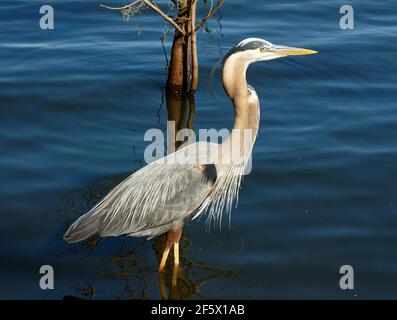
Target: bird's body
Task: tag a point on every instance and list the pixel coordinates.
(161, 196)
(201, 177)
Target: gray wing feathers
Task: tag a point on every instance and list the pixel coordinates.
(83, 228)
(146, 202)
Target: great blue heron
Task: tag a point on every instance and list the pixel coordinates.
(171, 191)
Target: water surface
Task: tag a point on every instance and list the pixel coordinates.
(76, 101)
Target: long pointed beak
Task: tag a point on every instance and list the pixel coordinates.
(290, 51)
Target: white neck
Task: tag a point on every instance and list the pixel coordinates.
(246, 105)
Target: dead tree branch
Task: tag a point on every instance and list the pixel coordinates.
(119, 8)
(154, 8)
(205, 20)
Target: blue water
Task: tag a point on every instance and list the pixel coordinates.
(76, 101)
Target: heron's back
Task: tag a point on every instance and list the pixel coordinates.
(154, 199)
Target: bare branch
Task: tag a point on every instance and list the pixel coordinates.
(119, 8)
(162, 14)
(154, 8)
(212, 5)
(205, 20)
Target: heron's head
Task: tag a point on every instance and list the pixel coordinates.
(255, 49)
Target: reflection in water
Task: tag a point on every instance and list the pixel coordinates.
(187, 284)
(127, 265)
(181, 109)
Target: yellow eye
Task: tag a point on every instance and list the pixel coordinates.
(262, 49)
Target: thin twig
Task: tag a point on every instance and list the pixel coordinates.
(120, 8)
(154, 8)
(194, 82)
(212, 5)
(205, 20)
(165, 17)
(165, 53)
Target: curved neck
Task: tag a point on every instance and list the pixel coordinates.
(245, 101)
(234, 76)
